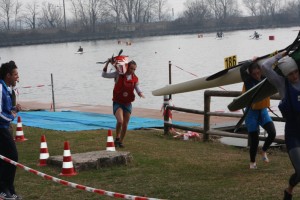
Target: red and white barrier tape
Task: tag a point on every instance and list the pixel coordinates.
(75, 185)
(186, 71)
(194, 75)
(34, 86)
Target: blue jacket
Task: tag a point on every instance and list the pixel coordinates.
(5, 105)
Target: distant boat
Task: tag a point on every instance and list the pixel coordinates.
(255, 36)
(80, 50)
(219, 35)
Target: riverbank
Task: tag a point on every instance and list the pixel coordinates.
(61, 36)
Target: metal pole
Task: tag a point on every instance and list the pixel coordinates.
(52, 85)
(64, 15)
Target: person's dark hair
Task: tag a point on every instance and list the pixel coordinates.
(253, 66)
(7, 68)
(131, 63)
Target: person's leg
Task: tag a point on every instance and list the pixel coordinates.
(294, 155)
(8, 171)
(252, 124)
(270, 128)
(254, 141)
(126, 118)
(118, 112)
(266, 122)
(292, 141)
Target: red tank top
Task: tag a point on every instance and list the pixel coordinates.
(124, 89)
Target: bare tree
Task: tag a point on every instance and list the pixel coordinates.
(17, 9)
(81, 12)
(269, 7)
(252, 5)
(6, 6)
(294, 7)
(138, 10)
(149, 11)
(115, 7)
(161, 9)
(127, 10)
(51, 16)
(265, 9)
(223, 9)
(31, 14)
(87, 12)
(196, 11)
(94, 12)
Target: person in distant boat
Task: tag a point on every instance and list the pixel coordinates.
(8, 78)
(257, 115)
(255, 35)
(123, 96)
(288, 87)
(219, 34)
(80, 49)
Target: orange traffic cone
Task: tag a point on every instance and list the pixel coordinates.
(110, 145)
(44, 155)
(19, 133)
(67, 167)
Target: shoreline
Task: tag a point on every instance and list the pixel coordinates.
(136, 112)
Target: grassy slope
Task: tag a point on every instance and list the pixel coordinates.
(162, 167)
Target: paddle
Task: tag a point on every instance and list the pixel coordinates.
(112, 57)
(295, 44)
(223, 72)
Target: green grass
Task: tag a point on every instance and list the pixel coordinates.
(162, 167)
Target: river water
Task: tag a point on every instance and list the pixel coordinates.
(77, 77)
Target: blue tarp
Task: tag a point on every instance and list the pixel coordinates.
(79, 121)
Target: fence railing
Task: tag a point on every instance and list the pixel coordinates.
(206, 130)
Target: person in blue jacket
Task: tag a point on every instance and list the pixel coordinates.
(8, 78)
(288, 86)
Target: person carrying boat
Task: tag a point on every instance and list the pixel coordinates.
(123, 96)
(257, 114)
(288, 87)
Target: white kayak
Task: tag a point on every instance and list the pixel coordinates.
(232, 76)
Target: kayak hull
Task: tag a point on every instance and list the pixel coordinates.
(232, 76)
(259, 92)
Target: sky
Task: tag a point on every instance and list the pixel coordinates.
(177, 6)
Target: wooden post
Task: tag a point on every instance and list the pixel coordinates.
(206, 116)
(53, 100)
